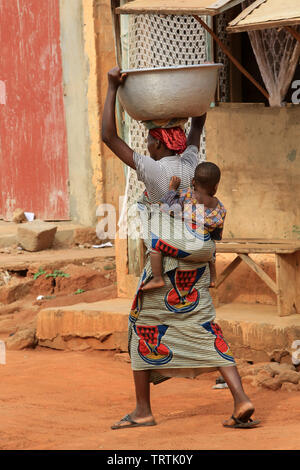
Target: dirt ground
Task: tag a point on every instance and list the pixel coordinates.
(63, 400)
(56, 400)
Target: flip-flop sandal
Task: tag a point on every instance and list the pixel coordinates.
(242, 424)
(131, 423)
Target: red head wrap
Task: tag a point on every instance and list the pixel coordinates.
(173, 138)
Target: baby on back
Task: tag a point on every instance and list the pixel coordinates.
(210, 215)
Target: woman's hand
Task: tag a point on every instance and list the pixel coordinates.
(174, 183)
(109, 129)
(115, 78)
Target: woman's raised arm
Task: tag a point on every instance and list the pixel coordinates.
(109, 129)
(196, 130)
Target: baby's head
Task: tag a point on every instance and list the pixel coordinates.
(207, 177)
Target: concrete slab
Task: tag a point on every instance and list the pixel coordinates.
(255, 313)
(54, 258)
(254, 332)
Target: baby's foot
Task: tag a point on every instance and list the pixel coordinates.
(212, 284)
(155, 283)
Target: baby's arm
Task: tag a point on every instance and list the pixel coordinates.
(174, 183)
(172, 202)
(172, 196)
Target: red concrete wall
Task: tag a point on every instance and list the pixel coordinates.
(33, 144)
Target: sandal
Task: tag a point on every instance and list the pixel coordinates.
(242, 424)
(130, 423)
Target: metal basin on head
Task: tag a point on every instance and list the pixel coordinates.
(169, 92)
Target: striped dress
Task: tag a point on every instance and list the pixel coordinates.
(172, 330)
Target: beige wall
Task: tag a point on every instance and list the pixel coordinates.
(88, 51)
(77, 72)
(258, 151)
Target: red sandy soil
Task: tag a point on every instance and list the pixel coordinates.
(68, 400)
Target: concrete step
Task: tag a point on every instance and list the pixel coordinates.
(255, 332)
(101, 325)
(54, 258)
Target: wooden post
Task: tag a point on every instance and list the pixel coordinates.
(293, 32)
(260, 272)
(233, 60)
(286, 271)
(117, 30)
(228, 270)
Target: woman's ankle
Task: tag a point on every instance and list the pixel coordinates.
(142, 411)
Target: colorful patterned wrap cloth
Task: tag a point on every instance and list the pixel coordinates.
(172, 331)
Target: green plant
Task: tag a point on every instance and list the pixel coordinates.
(39, 273)
(79, 291)
(56, 274)
(109, 267)
(296, 229)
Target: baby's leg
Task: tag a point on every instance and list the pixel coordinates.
(156, 265)
(213, 273)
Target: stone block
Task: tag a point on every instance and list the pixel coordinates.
(262, 376)
(257, 379)
(290, 387)
(22, 339)
(281, 355)
(272, 384)
(36, 236)
(19, 216)
(13, 292)
(279, 368)
(286, 359)
(289, 376)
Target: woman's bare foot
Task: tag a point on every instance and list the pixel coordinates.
(242, 411)
(155, 283)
